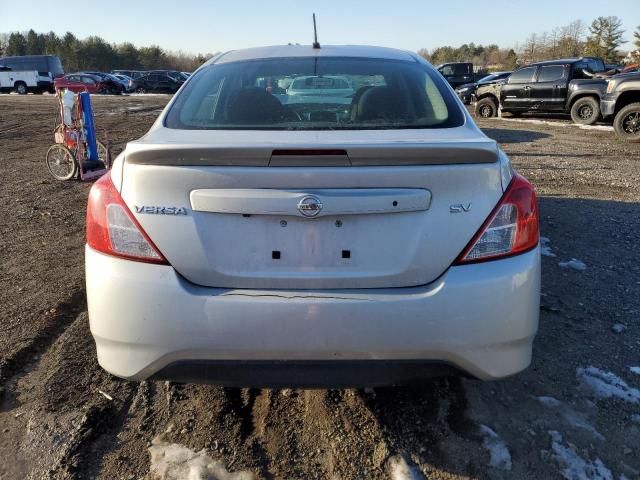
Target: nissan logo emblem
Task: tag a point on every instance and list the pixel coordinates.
(310, 206)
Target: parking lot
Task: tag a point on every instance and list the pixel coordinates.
(575, 413)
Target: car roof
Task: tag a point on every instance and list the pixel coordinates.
(560, 61)
(83, 74)
(301, 51)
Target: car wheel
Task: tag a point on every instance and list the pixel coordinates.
(585, 111)
(140, 90)
(627, 123)
(21, 88)
(486, 108)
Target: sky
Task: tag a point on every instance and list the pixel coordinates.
(201, 26)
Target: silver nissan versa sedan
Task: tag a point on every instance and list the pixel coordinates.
(369, 235)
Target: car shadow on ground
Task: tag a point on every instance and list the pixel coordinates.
(506, 135)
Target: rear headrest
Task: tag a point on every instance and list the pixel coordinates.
(382, 103)
(253, 105)
(355, 101)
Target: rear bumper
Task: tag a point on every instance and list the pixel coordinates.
(148, 321)
(304, 373)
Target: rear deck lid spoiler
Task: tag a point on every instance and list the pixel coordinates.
(426, 153)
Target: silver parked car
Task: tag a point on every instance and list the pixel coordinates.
(246, 240)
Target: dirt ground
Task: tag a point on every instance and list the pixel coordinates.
(574, 414)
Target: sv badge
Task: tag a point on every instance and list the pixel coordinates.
(460, 208)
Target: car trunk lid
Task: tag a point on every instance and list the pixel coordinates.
(377, 214)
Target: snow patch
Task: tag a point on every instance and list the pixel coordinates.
(619, 328)
(573, 263)
(400, 469)
(545, 248)
(549, 401)
(635, 370)
(170, 461)
(573, 466)
(573, 418)
(604, 128)
(149, 94)
(607, 385)
(498, 451)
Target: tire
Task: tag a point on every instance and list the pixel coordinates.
(627, 123)
(141, 90)
(486, 108)
(21, 88)
(585, 111)
(61, 162)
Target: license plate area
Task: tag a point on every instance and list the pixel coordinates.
(264, 245)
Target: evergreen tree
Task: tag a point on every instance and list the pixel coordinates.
(34, 43)
(605, 38)
(16, 45)
(511, 61)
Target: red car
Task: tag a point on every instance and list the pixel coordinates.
(79, 82)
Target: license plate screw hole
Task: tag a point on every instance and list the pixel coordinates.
(338, 223)
(395, 203)
(346, 253)
(283, 223)
(275, 254)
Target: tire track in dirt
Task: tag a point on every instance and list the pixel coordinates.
(59, 411)
(56, 321)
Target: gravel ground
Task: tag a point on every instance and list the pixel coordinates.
(575, 413)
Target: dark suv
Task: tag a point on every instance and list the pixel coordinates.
(457, 73)
(157, 83)
(571, 86)
(622, 103)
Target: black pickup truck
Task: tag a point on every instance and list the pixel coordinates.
(571, 86)
(622, 103)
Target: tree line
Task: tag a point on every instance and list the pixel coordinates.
(603, 38)
(94, 53)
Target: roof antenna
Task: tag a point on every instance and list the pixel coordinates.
(315, 33)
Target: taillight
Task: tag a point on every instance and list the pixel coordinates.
(511, 228)
(112, 229)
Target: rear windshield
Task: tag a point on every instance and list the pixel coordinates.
(314, 94)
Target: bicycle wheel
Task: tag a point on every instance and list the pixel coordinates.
(61, 162)
(102, 152)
